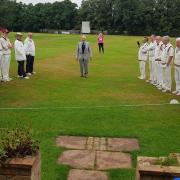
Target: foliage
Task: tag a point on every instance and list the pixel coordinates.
(167, 161)
(135, 17)
(17, 143)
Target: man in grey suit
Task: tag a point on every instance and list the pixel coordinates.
(84, 53)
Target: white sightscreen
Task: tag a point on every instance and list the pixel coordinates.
(86, 27)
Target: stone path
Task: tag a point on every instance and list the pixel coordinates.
(91, 156)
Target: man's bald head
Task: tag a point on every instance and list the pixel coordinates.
(158, 39)
(83, 38)
(30, 35)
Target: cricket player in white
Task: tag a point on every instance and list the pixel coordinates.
(167, 58)
(177, 67)
(20, 56)
(6, 50)
(142, 57)
(1, 56)
(151, 50)
(29, 46)
(158, 68)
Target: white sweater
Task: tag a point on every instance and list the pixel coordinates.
(143, 52)
(29, 47)
(20, 54)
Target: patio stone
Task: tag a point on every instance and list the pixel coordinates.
(80, 159)
(71, 142)
(112, 160)
(75, 174)
(122, 144)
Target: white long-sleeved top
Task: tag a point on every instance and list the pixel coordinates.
(143, 52)
(177, 56)
(158, 51)
(168, 51)
(5, 46)
(29, 46)
(20, 54)
(0, 48)
(151, 49)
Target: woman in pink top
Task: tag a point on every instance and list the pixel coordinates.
(101, 42)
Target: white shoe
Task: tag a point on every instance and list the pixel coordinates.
(19, 76)
(26, 77)
(9, 79)
(178, 94)
(28, 74)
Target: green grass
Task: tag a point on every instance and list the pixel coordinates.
(112, 81)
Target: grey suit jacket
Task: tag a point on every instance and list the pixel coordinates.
(87, 52)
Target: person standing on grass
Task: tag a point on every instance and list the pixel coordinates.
(158, 68)
(142, 57)
(101, 42)
(29, 46)
(177, 67)
(151, 53)
(83, 54)
(166, 61)
(6, 58)
(20, 56)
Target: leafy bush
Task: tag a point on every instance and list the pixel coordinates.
(168, 161)
(17, 143)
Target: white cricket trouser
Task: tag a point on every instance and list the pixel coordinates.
(154, 79)
(5, 66)
(177, 78)
(150, 69)
(142, 68)
(156, 71)
(1, 57)
(167, 78)
(160, 73)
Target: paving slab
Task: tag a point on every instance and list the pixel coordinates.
(80, 159)
(71, 142)
(112, 160)
(75, 174)
(122, 144)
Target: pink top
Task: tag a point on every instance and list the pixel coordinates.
(100, 39)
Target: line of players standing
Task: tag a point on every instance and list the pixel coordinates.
(24, 52)
(160, 53)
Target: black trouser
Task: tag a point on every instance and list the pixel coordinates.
(21, 71)
(29, 63)
(101, 47)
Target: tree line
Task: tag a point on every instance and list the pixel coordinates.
(133, 17)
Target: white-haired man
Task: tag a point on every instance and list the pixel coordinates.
(29, 46)
(166, 61)
(6, 51)
(20, 56)
(142, 57)
(177, 67)
(83, 54)
(151, 50)
(158, 68)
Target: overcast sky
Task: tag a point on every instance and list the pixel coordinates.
(44, 1)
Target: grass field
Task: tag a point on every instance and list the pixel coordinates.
(112, 81)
